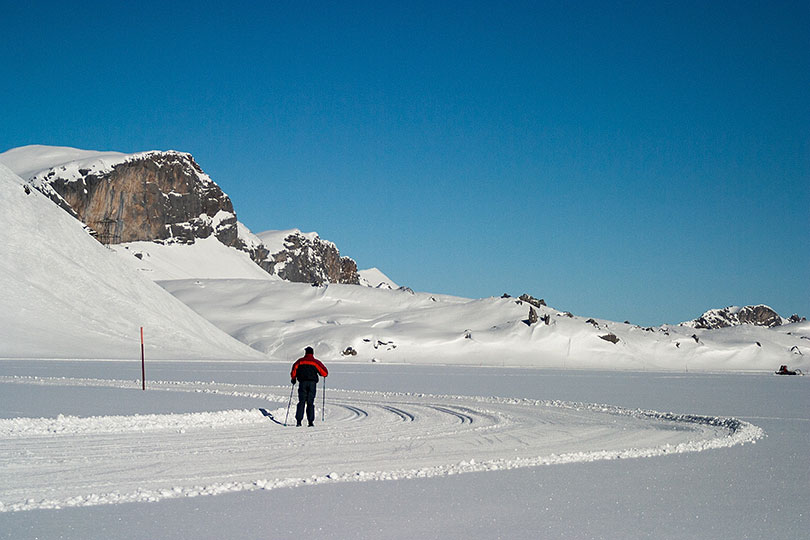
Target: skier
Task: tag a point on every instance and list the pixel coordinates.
(305, 370)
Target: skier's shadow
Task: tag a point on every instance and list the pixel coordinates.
(269, 415)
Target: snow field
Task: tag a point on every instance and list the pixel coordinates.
(71, 461)
(280, 318)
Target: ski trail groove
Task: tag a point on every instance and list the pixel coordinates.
(406, 416)
(358, 413)
(464, 418)
(71, 461)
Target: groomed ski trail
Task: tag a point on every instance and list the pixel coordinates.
(70, 461)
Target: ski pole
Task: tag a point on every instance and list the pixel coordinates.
(288, 405)
(323, 407)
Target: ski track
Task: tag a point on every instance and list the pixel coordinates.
(71, 461)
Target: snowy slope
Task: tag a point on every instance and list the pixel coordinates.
(206, 258)
(373, 277)
(27, 161)
(66, 296)
(281, 318)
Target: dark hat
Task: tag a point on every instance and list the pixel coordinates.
(309, 350)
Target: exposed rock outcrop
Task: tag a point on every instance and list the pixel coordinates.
(611, 337)
(309, 259)
(760, 315)
(151, 196)
(148, 196)
(532, 300)
(166, 197)
(533, 318)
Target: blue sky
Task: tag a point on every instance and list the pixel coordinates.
(639, 161)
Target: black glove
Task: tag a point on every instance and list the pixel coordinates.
(292, 381)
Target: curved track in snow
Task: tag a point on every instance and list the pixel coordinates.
(71, 461)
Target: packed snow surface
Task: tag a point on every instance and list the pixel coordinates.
(399, 452)
(73, 461)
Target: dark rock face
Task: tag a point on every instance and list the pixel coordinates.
(532, 300)
(611, 337)
(307, 260)
(151, 196)
(759, 316)
(733, 316)
(533, 318)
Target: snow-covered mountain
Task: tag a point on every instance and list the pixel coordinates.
(165, 197)
(67, 296)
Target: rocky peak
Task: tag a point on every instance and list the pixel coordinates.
(309, 259)
(147, 196)
(760, 315)
(166, 197)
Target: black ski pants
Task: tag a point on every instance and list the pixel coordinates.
(306, 398)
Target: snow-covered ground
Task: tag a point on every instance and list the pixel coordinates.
(403, 452)
(397, 326)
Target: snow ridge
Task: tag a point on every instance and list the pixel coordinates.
(138, 423)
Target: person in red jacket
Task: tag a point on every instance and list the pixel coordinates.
(305, 370)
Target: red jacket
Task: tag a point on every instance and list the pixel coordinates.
(308, 368)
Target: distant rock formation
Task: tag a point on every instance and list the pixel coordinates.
(760, 315)
(309, 259)
(532, 300)
(611, 337)
(152, 196)
(166, 197)
(533, 317)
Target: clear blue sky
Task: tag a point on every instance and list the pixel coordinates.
(632, 160)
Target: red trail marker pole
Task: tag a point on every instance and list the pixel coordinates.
(143, 363)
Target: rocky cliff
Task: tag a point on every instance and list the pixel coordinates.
(166, 197)
(308, 258)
